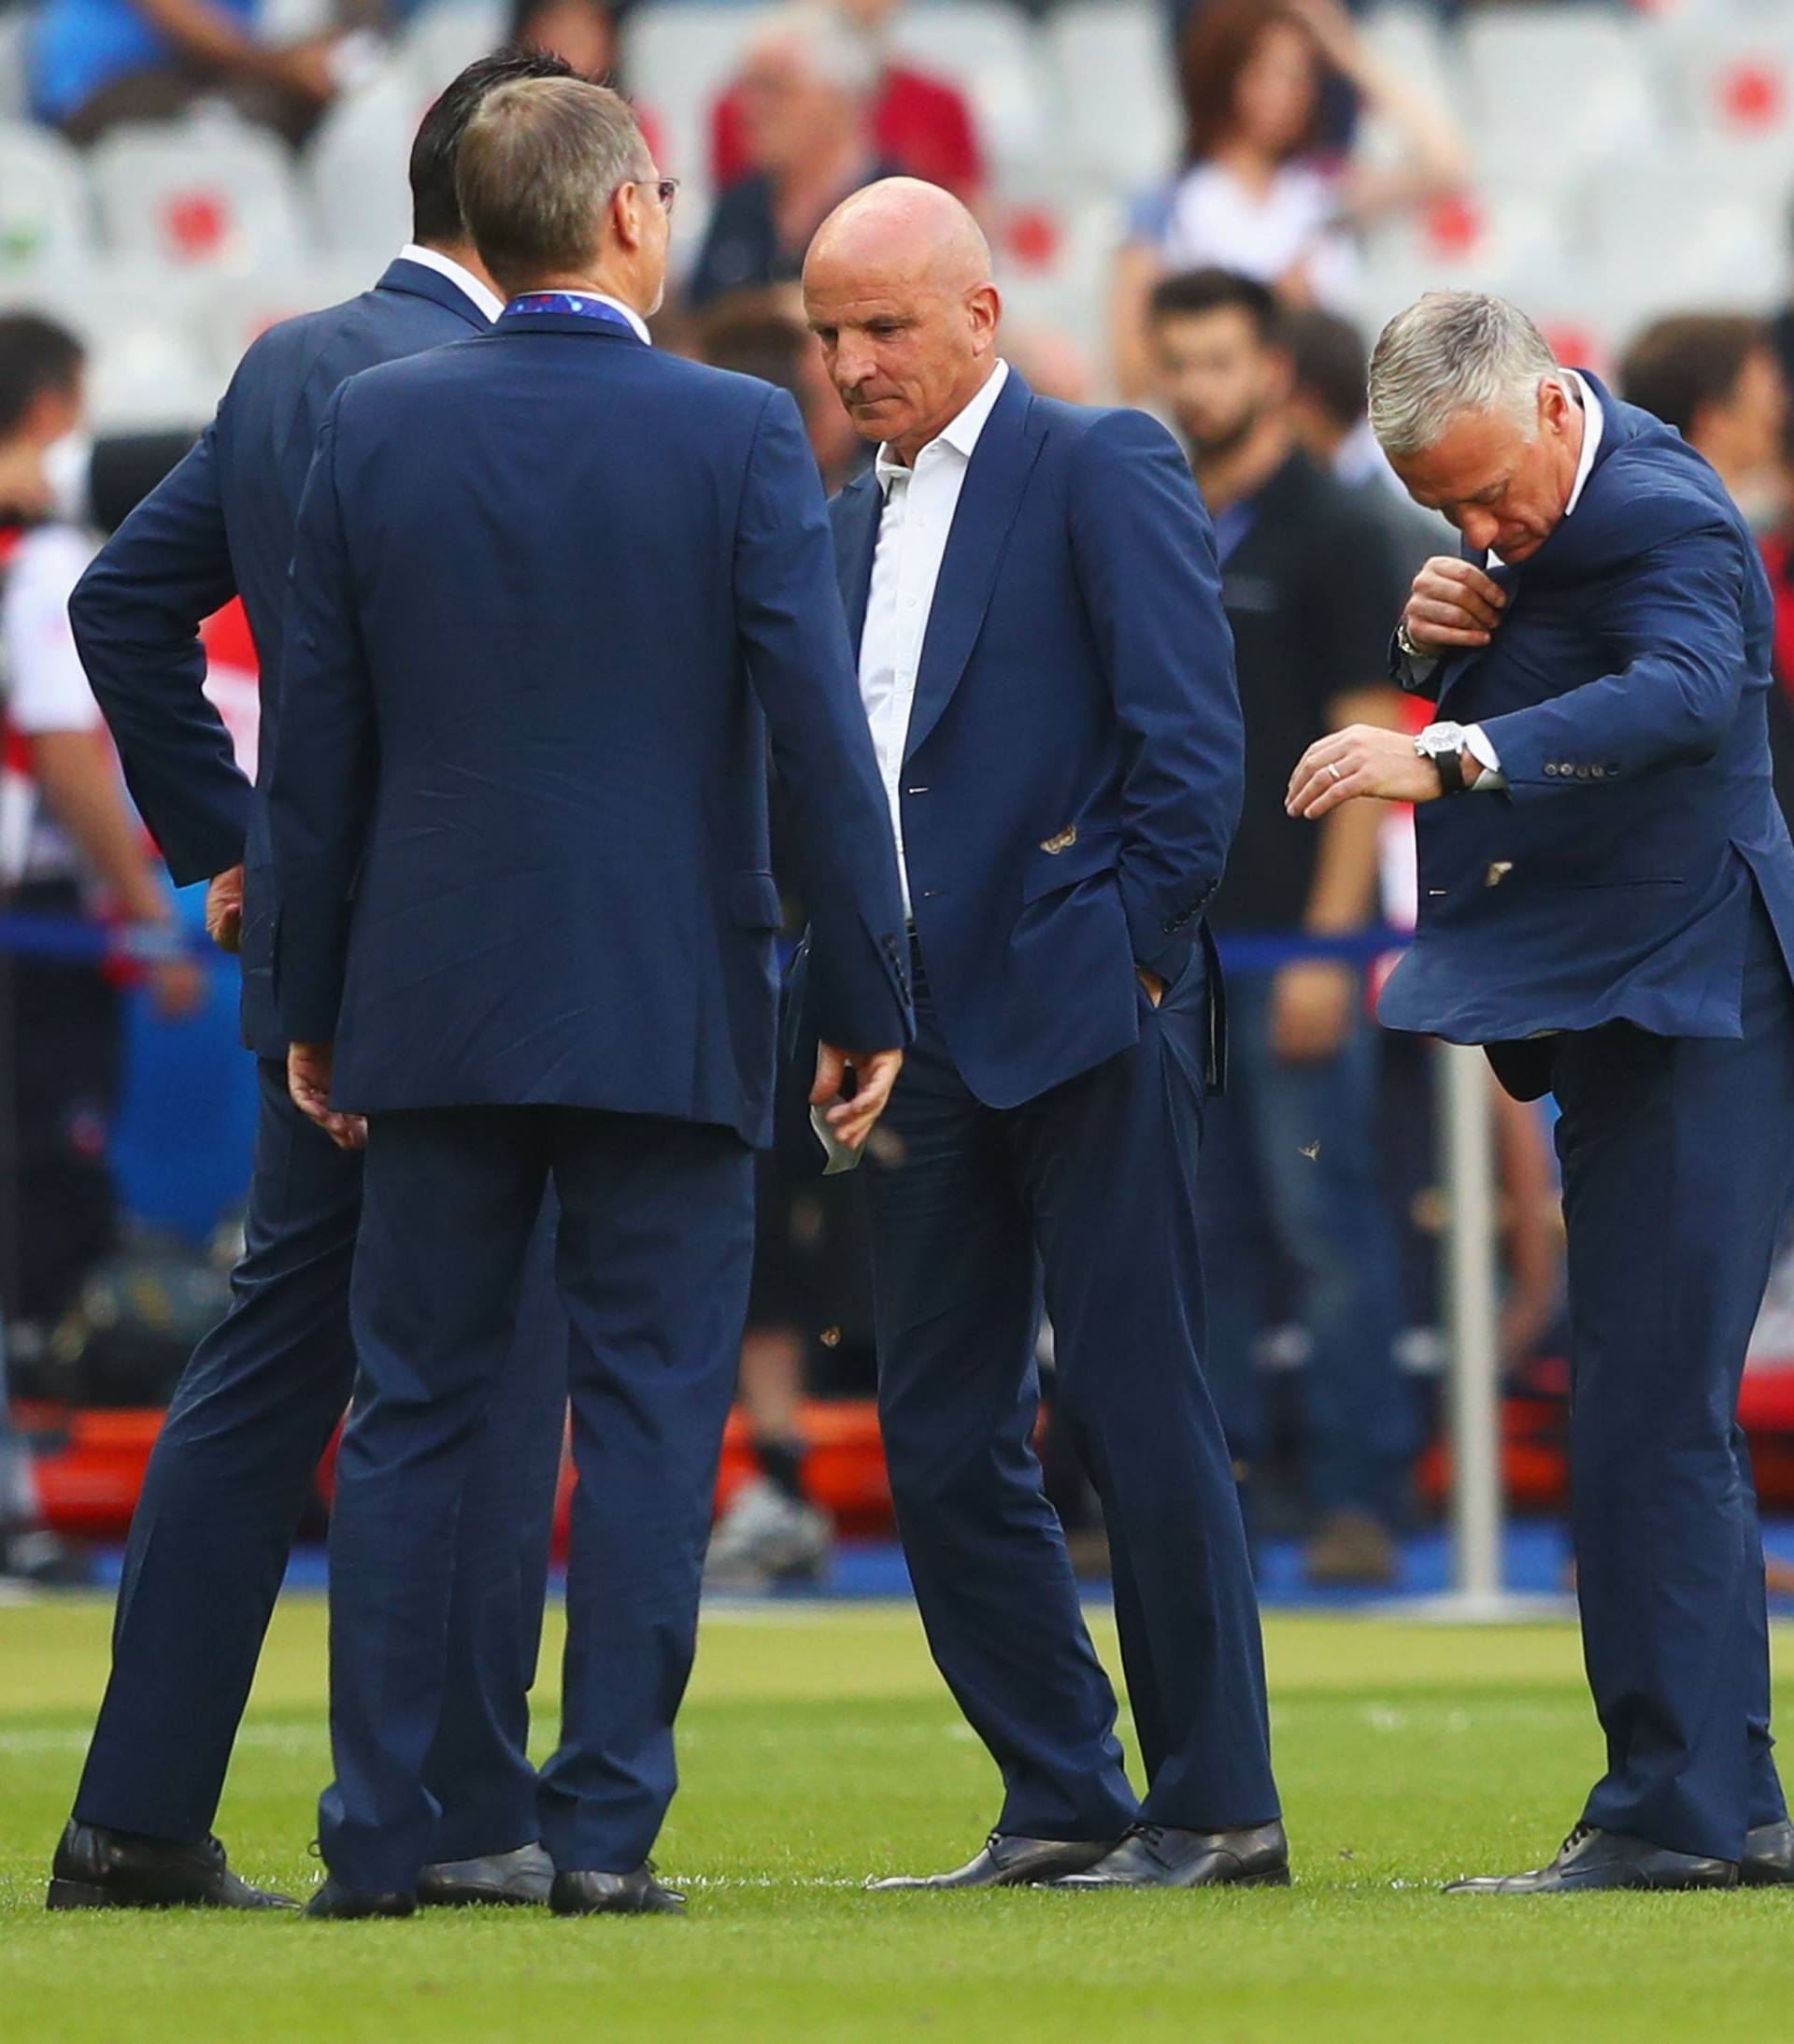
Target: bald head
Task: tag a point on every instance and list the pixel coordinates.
(897, 288)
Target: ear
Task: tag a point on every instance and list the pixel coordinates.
(985, 309)
(626, 215)
(1555, 405)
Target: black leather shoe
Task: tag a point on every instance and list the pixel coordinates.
(1590, 1858)
(614, 1895)
(1769, 1856)
(336, 1904)
(95, 1868)
(517, 1879)
(1158, 1857)
(1006, 1862)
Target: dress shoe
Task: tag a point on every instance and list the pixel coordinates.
(1158, 1857)
(1006, 1863)
(614, 1895)
(517, 1879)
(95, 1868)
(1591, 1858)
(1769, 1856)
(333, 1903)
(1353, 1550)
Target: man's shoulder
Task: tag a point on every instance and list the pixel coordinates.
(1651, 489)
(338, 340)
(1100, 435)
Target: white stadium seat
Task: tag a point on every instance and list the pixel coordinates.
(14, 22)
(1555, 83)
(1116, 90)
(205, 194)
(1684, 232)
(45, 222)
(989, 52)
(1736, 84)
(445, 37)
(355, 168)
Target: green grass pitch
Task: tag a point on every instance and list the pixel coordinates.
(819, 1746)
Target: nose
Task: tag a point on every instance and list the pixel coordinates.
(852, 362)
(1479, 528)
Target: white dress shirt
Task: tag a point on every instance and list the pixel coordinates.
(913, 527)
(463, 280)
(1477, 742)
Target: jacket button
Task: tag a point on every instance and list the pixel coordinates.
(1584, 773)
(1551, 769)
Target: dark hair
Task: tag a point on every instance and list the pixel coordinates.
(1678, 364)
(1194, 291)
(1330, 362)
(36, 355)
(1216, 45)
(435, 211)
(755, 334)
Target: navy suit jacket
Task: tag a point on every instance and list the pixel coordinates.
(550, 586)
(1625, 691)
(221, 525)
(1074, 770)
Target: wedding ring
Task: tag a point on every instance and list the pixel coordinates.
(1332, 767)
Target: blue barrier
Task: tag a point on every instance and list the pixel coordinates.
(106, 944)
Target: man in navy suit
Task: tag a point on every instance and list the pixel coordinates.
(1607, 903)
(1047, 674)
(550, 586)
(233, 1466)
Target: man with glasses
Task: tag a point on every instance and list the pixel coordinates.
(550, 588)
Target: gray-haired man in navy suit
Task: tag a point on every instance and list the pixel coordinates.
(1607, 904)
(232, 1468)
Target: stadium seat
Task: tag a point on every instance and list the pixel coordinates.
(446, 37)
(1553, 84)
(989, 53)
(1055, 276)
(46, 224)
(205, 194)
(1716, 241)
(1482, 239)
(146, 326)
(231, 311)
(1116, 92)
(13, 100)
(1409, 40)
(1736, 84)
(355, 168)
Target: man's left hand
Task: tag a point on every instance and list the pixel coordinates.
(224, 909)
(1364, 760)
(309, 1069)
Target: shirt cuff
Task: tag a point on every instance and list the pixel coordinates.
(1481, 748)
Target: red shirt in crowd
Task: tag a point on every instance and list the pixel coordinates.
(920, 123)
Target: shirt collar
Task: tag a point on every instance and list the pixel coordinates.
(1591, 431)
(463, 279)
(960, 434)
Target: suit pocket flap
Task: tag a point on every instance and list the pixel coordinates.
(1086, 855)
(754, 902)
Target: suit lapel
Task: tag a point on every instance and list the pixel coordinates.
(856, 538)
(995, 478)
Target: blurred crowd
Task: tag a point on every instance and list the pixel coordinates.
(1315, 164)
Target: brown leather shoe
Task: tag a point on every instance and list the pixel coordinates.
(1006, 1863)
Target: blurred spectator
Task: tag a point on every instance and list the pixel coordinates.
(1715, 378)
(583, 32)
(69, 847)
(804, 94)
(1252, 194)
(93, 64)
(920, 123)
(1290, 1176)
(1328, 413)
(762, 334)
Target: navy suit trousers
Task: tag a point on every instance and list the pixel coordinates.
(655, 1248)
(1678, 1165)
(1094, 1184)
(224, 1491)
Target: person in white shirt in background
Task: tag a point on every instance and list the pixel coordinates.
(69, 846)
(1254, 192)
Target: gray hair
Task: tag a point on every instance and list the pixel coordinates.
(838, 51)
(1454, 351)
(536, 165)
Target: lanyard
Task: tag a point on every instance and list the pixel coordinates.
(576, 302)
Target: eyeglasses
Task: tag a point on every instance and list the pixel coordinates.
(666, 190)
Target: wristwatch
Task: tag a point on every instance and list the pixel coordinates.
(1409, 646)
(1444, 744)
